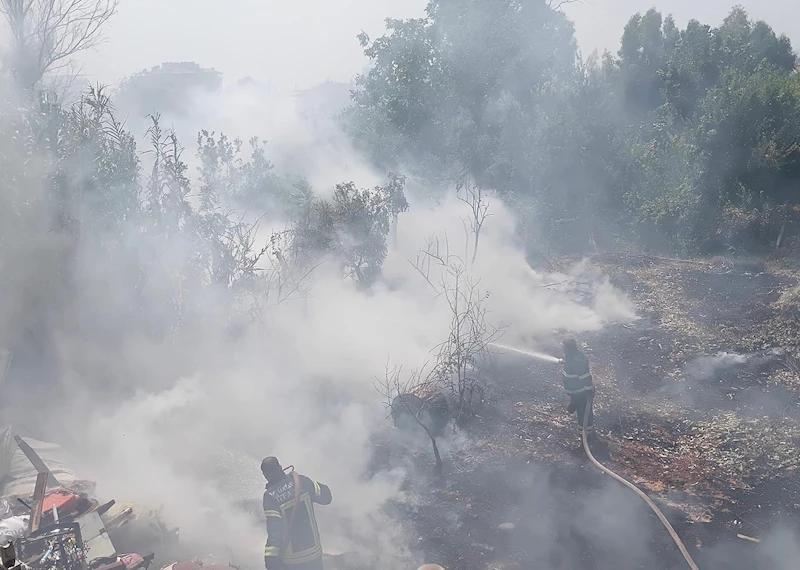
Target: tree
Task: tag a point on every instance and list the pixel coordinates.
(635, 147)
(712, 128)
(47, 34)
(459, 359)
(98, 162)
(746, 45)
(166, 195)
(558, 4)
(401, 397)
(692, 69)
(476, 199)
(285, 276)
(494, 91)
(460, 88)
(641, 56)
(751, 128)
(246, 183)
(352, 227)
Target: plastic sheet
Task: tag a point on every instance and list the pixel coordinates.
(12, 528)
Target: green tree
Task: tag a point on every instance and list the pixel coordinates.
(459, 88)
(641, 57)
(712, 128)
(751, 125)
(251, 185)
(352, 227)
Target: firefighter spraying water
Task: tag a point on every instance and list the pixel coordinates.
(577, 379)
(579, 384)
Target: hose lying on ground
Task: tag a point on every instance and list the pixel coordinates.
(634, 488)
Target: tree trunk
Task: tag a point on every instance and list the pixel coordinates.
(438, 468)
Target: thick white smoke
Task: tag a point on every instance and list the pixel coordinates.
(299, 385)
(302, 389)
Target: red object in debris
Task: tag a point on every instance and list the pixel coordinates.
(118, 565)
(134, 561)
(64, 501)
(192, 564)
(131, 560)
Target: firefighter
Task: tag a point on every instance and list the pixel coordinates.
(293, 541)
(578, 384)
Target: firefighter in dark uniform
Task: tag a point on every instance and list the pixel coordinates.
(292, 537)
(578, 384)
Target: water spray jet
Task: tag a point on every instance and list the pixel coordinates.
(537, 355)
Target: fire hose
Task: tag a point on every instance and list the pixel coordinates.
(634, 488)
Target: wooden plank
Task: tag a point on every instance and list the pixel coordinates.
(36, 461)
(38, 502)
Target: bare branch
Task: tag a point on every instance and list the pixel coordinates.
(437, 256)
(556, 5)
(286, 274)
(49, 33)
(461, 357)
(431, 256)
(475, 197)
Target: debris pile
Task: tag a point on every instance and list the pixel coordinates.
(54, 521)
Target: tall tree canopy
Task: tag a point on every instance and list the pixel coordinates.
(659, 143)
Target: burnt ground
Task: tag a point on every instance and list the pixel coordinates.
(713, 438)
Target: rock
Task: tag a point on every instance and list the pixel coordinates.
(506, 527)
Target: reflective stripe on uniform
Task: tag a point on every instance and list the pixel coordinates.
(272, 551)
(272, 514)
(313, 552)
(578, 376)
(317, 490)
(578, 391)
(306, 556)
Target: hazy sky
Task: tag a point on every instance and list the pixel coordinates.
(298, 43)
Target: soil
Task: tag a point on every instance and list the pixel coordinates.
(713, 438)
